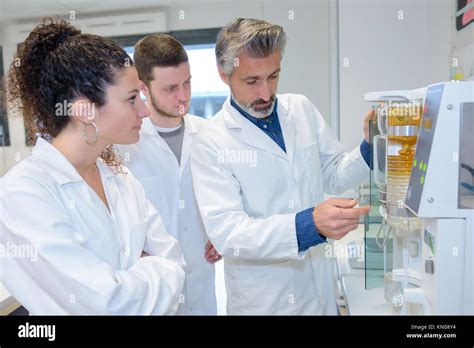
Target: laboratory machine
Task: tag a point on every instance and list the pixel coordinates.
(423, 169)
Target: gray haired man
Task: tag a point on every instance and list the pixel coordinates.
(268, 217)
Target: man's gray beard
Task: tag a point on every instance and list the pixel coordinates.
(254, 113)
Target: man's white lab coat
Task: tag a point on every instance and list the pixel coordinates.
(249, 191)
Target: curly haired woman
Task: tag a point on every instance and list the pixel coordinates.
(94, 244)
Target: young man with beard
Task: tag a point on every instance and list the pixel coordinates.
(160, 161)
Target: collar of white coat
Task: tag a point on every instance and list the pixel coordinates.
(59, 167)
(233, 118)
(148, 128)
(251, 135)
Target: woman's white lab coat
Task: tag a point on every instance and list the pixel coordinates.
(249, 191)
(169, 187)
(84, 259)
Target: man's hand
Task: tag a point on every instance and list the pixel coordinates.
(368, 117)
(336, 217)
(210, 253)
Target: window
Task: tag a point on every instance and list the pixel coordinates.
(208, 91)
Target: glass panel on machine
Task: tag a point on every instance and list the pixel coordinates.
(376, 261)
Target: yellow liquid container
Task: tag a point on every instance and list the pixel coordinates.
(404, 114)
(403, 121)
(400, 164)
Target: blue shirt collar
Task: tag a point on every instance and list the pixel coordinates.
(269, 125)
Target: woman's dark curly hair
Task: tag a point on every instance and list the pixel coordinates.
(57, 63)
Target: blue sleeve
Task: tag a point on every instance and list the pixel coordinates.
(366, 151)
(306, 232)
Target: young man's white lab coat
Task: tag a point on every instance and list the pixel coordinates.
(169, 187)
(249, 191)
(77, 257)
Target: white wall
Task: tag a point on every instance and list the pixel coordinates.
(385, 53)
(10, 155)
(305, 64)
(463, 46)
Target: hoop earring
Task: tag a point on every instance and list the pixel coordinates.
(84, 133)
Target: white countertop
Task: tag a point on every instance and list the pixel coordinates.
(351, 283)
(365, 302)
(7, 302)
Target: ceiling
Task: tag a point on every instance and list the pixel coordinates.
(16, 10)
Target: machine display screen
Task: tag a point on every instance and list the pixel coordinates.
(423, 146)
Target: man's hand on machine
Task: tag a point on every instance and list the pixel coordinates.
(367, 119)
(336, 217)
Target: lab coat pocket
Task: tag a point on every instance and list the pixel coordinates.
(323, 268)
(266, 288)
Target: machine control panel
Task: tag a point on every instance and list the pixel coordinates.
(423, 146)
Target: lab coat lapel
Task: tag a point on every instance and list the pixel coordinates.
(149, 130)
(288, 128)
(189, 132)
(117, 209)
(66, 175)
(111, 190)
(250, 133)
(62, 171)
(110, 187)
